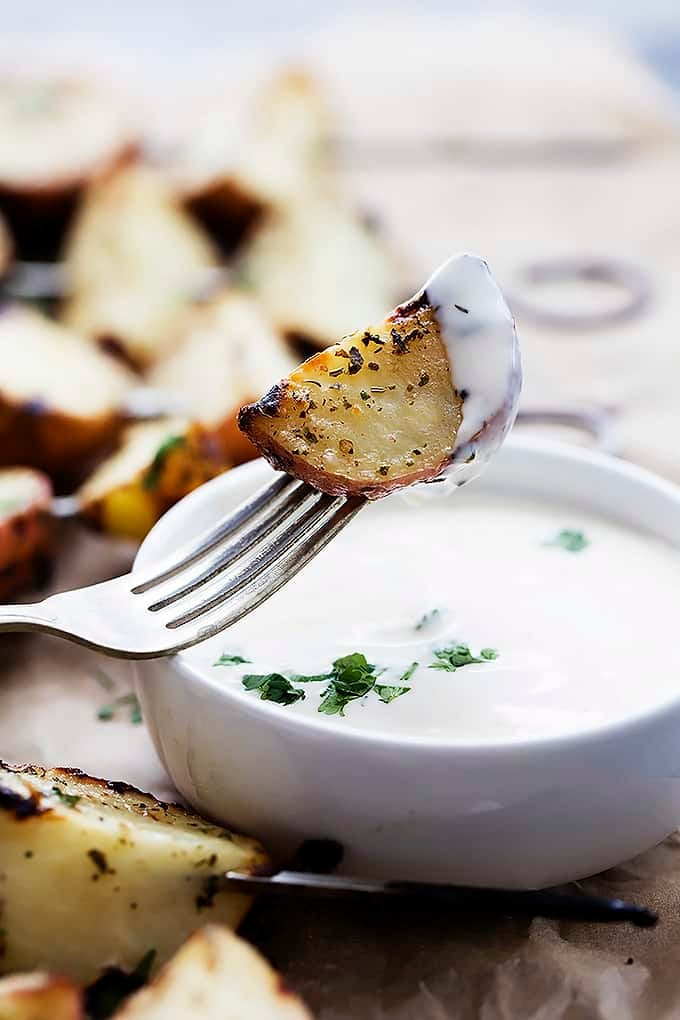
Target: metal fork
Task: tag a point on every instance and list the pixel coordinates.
(204, 588)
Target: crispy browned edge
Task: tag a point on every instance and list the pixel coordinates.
(33, 434)
(39, 215)
(27, 545)
(333, 484)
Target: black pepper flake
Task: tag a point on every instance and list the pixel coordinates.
(347, 404)
(364, 395)
(99, 860)
(209, 889)
(311, 406)
(466, 311)
(377, 389)
(416, 453)
(333, 386)
(356, 360)
(313, 382)
(374, 366)
(383, 469)
(392, 387)
(424, 379)
(463, 394)
(310, 436)
(336, 372)
(409, 388)
(346, 446)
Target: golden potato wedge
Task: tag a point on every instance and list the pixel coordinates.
(134, 261)
(319, 270)
(96, 874)
(215, 975)
(229, 355)
(157, 464)
(231, 173)
(58, 135)
(40, 997)
(375, 412)
(25, 530)
(59, 398)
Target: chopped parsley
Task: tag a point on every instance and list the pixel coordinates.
(387, 693)
(428, 618)
(301, 678)
(458, 655)
(571, 541)
(108, 712)
(408, 673)
(352, 677)
(273, 687)
(69, 799)
(155, 468)
(226, 659)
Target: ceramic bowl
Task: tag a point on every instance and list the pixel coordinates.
(524, 814)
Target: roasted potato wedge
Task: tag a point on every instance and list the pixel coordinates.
(375, 412)
(58, 135)
(134, 260)
(40, 997)
(25, 530)
(157, 464)
(59, 398)
(230, 353)
(282, 151)
(319, 270)
(96, 874)
(215, 975)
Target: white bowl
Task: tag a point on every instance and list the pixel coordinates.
(526, 814)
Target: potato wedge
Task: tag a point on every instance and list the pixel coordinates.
(59, 399)
(96, 874)
(375, 412)
(319, 270)
(230, 174)
(157, 464)
(134, 261)
(215, 975)
(58, 135)
(40, 997)
(25, 530)
(229, 354)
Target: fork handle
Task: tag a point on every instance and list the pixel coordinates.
(26, 617)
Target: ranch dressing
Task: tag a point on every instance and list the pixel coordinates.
(583, 638)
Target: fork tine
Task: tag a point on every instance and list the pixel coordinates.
(266, 554)
(266, 499)
(266, 583)
(288, 509)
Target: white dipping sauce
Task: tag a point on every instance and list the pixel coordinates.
(584, 638)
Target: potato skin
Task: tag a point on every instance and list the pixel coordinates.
(26, 532)
(39, 996)
(374, 413)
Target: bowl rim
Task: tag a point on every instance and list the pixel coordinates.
(621, 728)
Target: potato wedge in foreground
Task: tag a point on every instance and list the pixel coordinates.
(432, 388)
(59, 398)
(135, 260)
(229, 354)
(319, 270)
(214, 976)
(157, 464)
(40, 997)
(25, 530)
(96, 874)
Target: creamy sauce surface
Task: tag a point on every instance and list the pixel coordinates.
(583, 638)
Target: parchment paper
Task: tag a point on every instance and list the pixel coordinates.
(390, 961)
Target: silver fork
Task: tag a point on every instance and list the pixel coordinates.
(206, 587)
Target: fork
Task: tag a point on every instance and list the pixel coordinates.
(207, 586)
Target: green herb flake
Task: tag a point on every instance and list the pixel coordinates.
(353, 677)
(458, 655)
(569, 540)
(428, 618)
(387, 693)
(69, 799)
(273, 687)
(108, 712)
(408, 673)
(302, 678)
(153, 472)
(226, 659)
